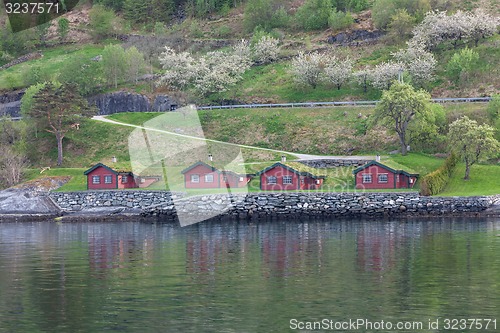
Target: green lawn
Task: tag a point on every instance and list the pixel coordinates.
(51, 62)
(484, 180)
(76, 183)
(421, 163)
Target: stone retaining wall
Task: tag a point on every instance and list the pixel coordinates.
(334, 163)
(24, 58)
(76, 201)
(272, 204)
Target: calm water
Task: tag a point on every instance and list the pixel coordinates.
(135, 277)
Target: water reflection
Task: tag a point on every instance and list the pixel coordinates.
(244, 277)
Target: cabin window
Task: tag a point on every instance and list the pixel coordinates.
(124, 179)
(241, 179)
(367, 178)
(224, 179)
(108, 179)
(96, 179)
(287, 180)
(383, 178)
(271, 180)
(318, 181)
(195, 178)
(397, 178)
(209, 178)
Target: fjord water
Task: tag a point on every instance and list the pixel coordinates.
(230, 277)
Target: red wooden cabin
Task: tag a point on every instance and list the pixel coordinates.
(375, 175)
(202, 175)
(102, 177)
(282, 177)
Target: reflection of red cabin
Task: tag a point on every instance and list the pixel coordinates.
(375, 175)
(102, 177)
(202, 175)
(279, 177)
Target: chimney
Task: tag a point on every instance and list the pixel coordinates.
(377, 158)
(283, 158)
(113, 159)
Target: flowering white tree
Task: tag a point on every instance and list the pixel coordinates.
(338, 71)
(308, 68)
(419, 63)
(214, 72)
(385, 73)
(180, 68)
(482, 25)
(363, 77)
(217, 71)
(266, 50)
(438, 27)
(243, 51)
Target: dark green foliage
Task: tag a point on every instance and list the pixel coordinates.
(339, 20)
(435, 182)
(314, 14)
(494, 114)
(57, 108)
(89, 79)
(17, 44)
(62, 28)
(350, 5)
(37, 74)
(101, 22)
(384, 10)
(116, 5)
(267, 14)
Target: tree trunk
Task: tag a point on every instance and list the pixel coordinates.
(467, 171)
(59, 138)
(402, 140)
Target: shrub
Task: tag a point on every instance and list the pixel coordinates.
(461, 64)
(314, 14)
(340, 20)
(435, 182)
(223, 31)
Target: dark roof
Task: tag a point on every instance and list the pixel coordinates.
(301, 173)
(214, 169)
(97, 166)
(393, 169)
(197, 164)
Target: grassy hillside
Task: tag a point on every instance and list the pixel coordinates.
(299, 130)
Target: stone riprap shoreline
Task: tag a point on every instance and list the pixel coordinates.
(166, 206)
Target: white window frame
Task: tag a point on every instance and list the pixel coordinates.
(386, 175)
(195, 178)
(108, 179)
(209, 178)
(96, 179)
(242, 179)
(274, 178)
(289, 180)
(365, 180)
(124, 179)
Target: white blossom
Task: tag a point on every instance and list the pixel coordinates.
(214, 72)
(418, 62)
(266, 50)
(338, 71)
(385, 73)
(308, 68)
(180, 68)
